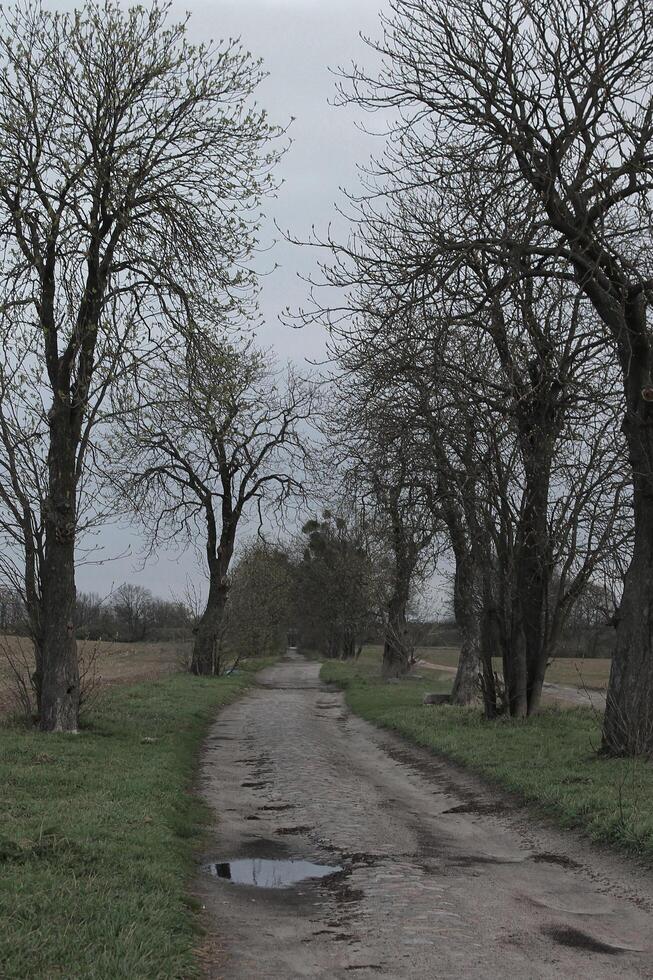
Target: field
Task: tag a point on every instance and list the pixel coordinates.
(591, 673)
(550, 761)
(98, 833)
(115, 663)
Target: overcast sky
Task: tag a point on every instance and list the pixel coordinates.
(299, 41)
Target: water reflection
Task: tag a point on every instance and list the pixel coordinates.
(266, 873)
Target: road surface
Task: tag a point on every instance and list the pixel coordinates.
(441, 877)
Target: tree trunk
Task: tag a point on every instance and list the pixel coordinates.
(204, 663)
(59, 680)
(465, 685)
(348, 644)
(397, 649)
(515, 672)
(488, 648)
(628, 722)
(532, 572)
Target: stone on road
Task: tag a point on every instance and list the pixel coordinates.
(441, 877)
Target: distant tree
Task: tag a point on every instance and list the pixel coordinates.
(374, 450)
(12, 612)
(93, 617)
(340, 589)
(259, 607)
(133, 611)
(169, 618)
(216, 438)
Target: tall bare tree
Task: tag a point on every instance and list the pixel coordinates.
(131, 168)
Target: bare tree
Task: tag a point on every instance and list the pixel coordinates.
(216, 438)
(551, 102)
(132, 607)
(370, 432)
(130, 174)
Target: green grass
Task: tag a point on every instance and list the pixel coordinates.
(550, 761)
(98, 833)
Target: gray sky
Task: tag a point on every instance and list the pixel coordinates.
(298, 40)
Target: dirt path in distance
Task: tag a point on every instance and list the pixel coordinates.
(441, 877)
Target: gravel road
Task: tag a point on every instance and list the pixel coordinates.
(441, 877)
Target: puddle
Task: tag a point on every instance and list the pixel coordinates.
(265, 873)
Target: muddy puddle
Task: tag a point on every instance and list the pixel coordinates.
(267, 873)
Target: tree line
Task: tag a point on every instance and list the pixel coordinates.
(133, 166)
(494, 350)
(129, 614)
(490, 391)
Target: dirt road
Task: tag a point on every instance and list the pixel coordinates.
(441, 877)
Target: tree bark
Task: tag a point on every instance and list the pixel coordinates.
(531, 575)
(348, 644)
(465, 685)
(488, 648)
(204, 662)
(628, 721)
(515, 672)
(396, 648)
(59, 671)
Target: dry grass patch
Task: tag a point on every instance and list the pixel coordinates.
(592, 673)
(115, 663)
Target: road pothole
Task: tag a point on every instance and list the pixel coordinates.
(477, 807)
(568, 936)
(560, 859)
(268, 873)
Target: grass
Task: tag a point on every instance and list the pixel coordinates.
(98, 833)
(592, 672)
(550, 761)
(116, 663)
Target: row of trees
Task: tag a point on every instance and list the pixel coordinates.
(495, 350)
(130, 613)
(328, 589)
(133, 169)
(492, 358)
(133, 165)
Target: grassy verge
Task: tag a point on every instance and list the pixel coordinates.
(549, 761)
(98, 832)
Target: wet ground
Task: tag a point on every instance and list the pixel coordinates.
(430, 873)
